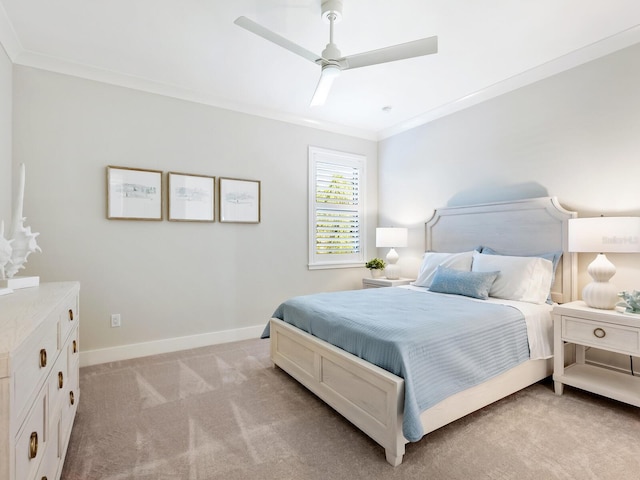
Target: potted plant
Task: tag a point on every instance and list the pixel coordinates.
(376, 266)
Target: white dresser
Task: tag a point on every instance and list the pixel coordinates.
(39, 367)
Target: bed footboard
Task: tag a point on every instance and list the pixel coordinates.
(368, 396)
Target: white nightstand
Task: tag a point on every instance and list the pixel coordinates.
(604, 329)
(385, 282)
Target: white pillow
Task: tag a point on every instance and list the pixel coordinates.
(456, 261)
(526, 279)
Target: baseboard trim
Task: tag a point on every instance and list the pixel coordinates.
(136, 350)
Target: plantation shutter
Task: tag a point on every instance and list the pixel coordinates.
(336, 208)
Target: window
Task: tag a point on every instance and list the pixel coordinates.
(336, 209)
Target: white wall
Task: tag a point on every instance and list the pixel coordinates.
(575, 135)
(166, 279)
(6, 71)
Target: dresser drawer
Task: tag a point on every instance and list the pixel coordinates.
(73, 349)
(58, 383)
(50, 464)
(33, 365)
(620, 338)
(68, 318)
(69, 406)
(31, 441)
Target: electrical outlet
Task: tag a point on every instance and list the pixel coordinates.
(115, 320)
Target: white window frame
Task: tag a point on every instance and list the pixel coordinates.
(340, 159)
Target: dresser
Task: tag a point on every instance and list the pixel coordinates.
(39, 367)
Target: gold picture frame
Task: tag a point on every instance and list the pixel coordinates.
(134, 193)
(191, 197)
(238, 200)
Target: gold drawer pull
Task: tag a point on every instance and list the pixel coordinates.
(71, 315)
(43, 358)
(33, 445)
(75, 347)
(60, 380)
(71, 399)
(599, 332)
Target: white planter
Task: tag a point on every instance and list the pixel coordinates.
(376, 272)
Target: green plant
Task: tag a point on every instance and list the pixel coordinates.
(375, 264)
(631, 301)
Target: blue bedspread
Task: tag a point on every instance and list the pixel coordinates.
(439, 344)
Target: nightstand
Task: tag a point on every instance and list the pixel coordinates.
(385, 282)
(604, 329)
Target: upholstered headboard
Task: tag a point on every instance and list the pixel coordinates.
(521, 227)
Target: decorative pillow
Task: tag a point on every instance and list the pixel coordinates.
(431, 261)
(526, 279)
(554, 257)
(469, 284)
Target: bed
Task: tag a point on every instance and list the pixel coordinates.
(373, 398)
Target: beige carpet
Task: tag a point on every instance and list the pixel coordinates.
(223, 412)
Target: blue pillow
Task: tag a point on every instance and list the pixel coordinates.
(553, 257)
(469, 284)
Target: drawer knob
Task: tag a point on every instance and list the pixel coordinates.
(43, 358)
(75, 347)
(60, 380)
(70, 315)
(71, 398)
(599, 332)
(33, 445)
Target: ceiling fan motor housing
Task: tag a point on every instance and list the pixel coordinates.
(332, 7)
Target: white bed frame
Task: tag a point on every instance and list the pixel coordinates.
(372, 398)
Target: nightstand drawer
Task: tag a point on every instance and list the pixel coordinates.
(601, 335)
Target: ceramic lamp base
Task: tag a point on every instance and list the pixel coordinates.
(600, 293)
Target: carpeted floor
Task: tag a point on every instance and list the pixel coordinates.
(223, 412)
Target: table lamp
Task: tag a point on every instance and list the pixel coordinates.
(393, 238)
(603, 235)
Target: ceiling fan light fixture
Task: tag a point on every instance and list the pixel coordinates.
(329, 74)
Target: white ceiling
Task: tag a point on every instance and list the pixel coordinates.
(191, 49)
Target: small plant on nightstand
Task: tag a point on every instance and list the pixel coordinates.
(630, 300)
(376, 266)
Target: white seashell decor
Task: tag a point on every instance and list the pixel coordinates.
(20, 241)
(5, 251)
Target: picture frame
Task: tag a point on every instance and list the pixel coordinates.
(238, 200)
(191, 197)
(134, 193)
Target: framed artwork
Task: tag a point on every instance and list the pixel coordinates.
(239, 200)
(134, 193)
(191, 197)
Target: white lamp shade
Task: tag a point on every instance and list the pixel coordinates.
(391, 237)
(604, 234)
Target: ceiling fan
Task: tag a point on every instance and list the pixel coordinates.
(331, 61)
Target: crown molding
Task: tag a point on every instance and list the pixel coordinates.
(609, 45)
(57, 65)
(8, 37)
(20, 56)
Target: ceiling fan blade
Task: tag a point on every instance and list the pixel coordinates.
(267, 34)
(416, 48)
(328, 75)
